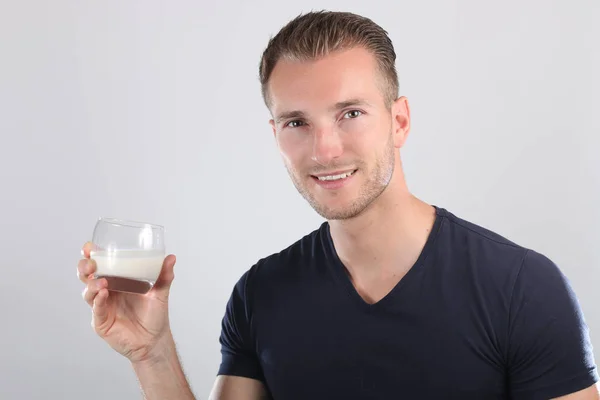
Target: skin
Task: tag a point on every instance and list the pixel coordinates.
(378, 227)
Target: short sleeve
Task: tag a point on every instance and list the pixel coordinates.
(238, 354)
(550, 351)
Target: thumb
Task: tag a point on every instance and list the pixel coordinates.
(165, 279)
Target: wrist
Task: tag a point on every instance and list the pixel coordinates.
(160, 373)
(163, 350)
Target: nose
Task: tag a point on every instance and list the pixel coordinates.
(327, 146)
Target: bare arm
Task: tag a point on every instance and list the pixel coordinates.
(237, 388)
(161, 377)
(591, 393)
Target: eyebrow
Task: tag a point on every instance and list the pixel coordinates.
(336, 107)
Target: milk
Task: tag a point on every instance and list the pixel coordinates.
(132, 265)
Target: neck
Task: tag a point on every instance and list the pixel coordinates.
(386, 238)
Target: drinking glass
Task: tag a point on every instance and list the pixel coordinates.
(128, 254)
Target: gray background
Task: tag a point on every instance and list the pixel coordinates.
(151, 111)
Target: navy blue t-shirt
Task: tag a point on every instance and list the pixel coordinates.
(476, 317)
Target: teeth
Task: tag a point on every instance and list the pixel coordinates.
(335, 177)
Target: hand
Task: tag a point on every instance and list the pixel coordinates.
(136, 326)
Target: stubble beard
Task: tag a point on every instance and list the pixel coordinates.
(375, 184)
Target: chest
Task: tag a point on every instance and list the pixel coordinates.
(333, 349)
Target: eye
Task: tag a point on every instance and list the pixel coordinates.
(294, 124)
(353, 114)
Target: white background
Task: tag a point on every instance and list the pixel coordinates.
(151, 111)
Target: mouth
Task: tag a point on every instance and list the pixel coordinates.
(333, 180)
(334, 176)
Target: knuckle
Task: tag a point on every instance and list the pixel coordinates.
(81, 268)
(90, 266)
(89, 292)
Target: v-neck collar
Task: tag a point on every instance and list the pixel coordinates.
(342, 276)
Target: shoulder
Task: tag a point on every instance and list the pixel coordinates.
(476, 247)
(506, 271)
(532, 302)
(475, 233)
(492, 258)
(286, 264)
(477, 237)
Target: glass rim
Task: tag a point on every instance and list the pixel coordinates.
(130, 223)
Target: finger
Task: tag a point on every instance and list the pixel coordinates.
(86, 249)
(91, 290)
(100, 311)
(165, 279)
(85, 268)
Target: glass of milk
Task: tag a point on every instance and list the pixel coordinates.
(128, 254)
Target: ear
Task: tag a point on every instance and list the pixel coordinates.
(400, 121)
(272, 123)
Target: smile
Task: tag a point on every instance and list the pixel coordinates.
(334, 180)
(335, 177)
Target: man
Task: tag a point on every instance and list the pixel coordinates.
(391, 297)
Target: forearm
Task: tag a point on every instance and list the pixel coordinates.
(162, 377)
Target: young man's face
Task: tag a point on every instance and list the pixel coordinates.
(336, 135)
